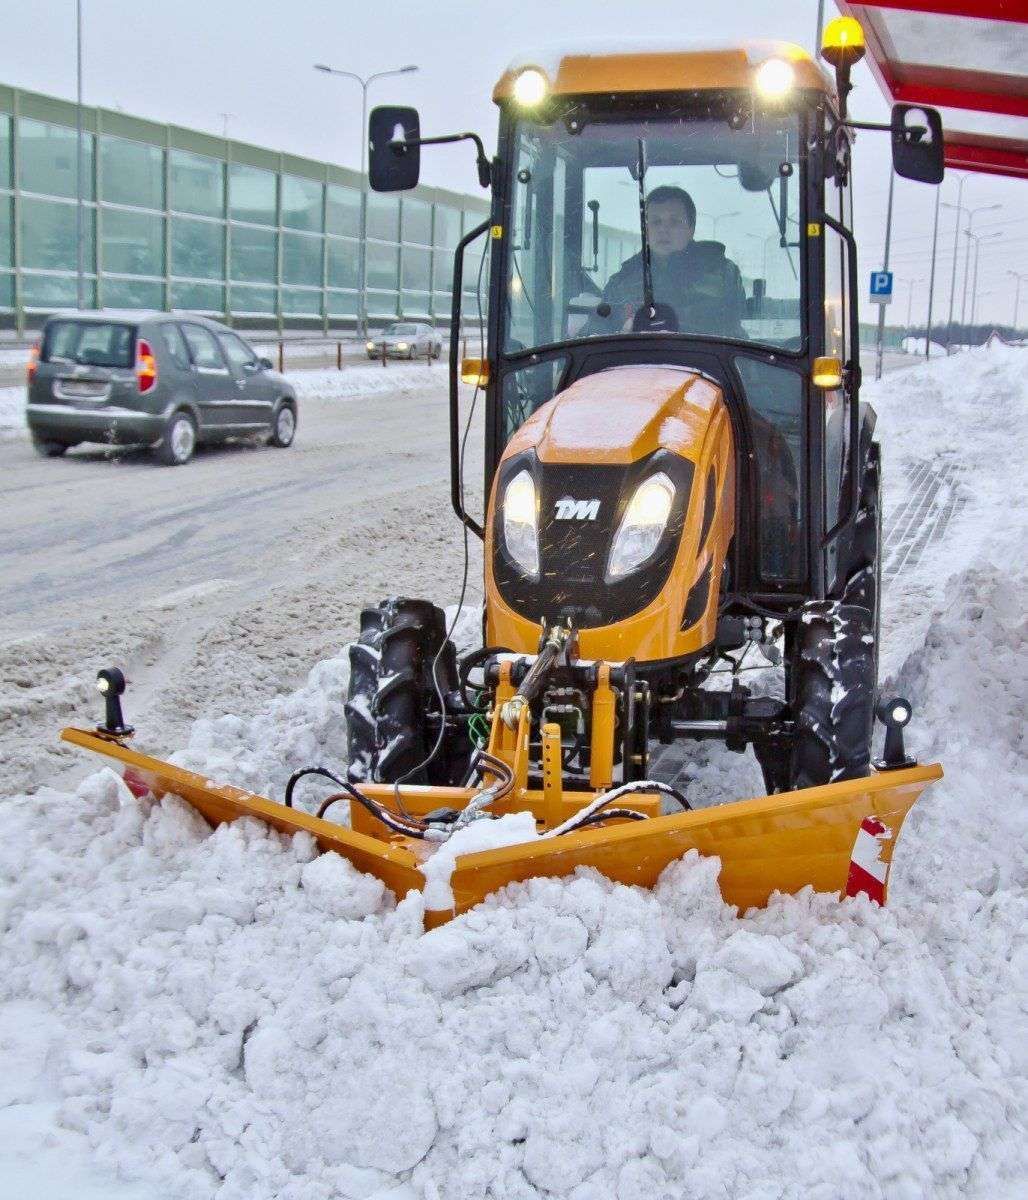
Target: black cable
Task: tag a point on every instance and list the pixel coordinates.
(377, 810)
(469, 662)
(467, 559)
(296, 776)
(607, 814)
(791, 614)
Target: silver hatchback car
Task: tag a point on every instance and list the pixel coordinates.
(167, 380)
(406, 339)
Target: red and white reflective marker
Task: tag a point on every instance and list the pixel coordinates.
(138, 786)
(868, 873)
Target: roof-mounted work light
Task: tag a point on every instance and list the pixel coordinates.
(530, 87)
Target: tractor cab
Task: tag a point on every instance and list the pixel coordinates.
(688, 207)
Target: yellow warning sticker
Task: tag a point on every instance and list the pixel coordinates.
(813, 229)
(496, 231)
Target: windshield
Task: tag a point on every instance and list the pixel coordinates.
(401, 331)
(92, 343)
(717, 198)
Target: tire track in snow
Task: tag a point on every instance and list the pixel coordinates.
(936, 494)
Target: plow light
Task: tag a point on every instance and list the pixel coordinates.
(530, 87)
(110, 683)
(642, 526)
(827, 374)
(521, 523)
(894, 715)
(775, 78)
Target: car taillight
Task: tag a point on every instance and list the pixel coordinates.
(33, 362)
(146, 366)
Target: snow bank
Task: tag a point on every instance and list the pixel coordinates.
(357, 382)
(223, 1014)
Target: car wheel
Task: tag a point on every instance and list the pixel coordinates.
(283, 428)
(49, 449)
(179, 441)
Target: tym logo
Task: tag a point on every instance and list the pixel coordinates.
(576, 510)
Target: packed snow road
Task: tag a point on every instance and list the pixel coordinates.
(220, 583)
(224, 1015)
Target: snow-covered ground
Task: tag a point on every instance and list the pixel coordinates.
(223, 1014)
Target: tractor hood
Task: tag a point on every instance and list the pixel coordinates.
(565, 488)
(621, 415)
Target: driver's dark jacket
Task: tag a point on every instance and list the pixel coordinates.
(700, 283)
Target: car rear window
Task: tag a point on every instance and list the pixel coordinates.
(90, 343)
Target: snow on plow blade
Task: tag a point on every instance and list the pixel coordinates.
(837, 838)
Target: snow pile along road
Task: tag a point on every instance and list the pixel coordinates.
(225, 1014)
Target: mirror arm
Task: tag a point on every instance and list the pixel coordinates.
(484, 172)
(866, 125)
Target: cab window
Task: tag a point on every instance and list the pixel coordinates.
(722, 204)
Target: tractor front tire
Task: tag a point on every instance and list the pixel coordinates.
(392, 709)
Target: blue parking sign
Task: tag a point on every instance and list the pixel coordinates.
(881, 287)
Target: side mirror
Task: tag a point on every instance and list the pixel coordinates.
(915, 155)
(266, 364)
(395, 151)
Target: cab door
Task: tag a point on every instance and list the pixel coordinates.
(214, 388)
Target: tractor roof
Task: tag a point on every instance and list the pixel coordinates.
(588, 68)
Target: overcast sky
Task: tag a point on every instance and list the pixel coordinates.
(189, 62)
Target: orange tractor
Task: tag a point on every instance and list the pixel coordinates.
(682, 483)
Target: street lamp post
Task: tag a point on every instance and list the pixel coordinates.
(910, 301)
(764, 242)
(880, 343)
(953, 278)
(1017, 295)
(714, 221)
(362, 301)
(80, 260)
(971, 213)
(978, 238)
(931, 280)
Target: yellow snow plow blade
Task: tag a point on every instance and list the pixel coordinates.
(837, 838)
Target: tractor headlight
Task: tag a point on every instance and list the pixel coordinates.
(521, 523)
(642, 526)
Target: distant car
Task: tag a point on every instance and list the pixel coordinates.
(406, 339)
(167, 380)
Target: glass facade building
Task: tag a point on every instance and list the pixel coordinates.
(176, 219)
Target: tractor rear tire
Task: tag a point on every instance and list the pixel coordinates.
(392, 699)
(836, 660)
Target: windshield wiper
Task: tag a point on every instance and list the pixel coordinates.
(652, 317)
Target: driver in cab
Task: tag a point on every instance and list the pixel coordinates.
(696, 279)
